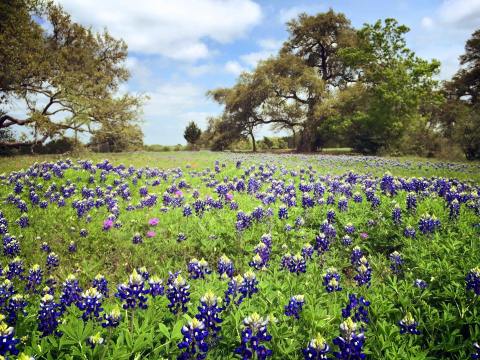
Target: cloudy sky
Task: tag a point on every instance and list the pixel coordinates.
(179, 49)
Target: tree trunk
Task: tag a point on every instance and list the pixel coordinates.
(254, 144)
(294, 138)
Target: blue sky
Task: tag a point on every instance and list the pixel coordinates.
(179, 49)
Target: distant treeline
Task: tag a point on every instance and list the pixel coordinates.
(333, 85)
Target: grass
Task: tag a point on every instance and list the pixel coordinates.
(447, 314)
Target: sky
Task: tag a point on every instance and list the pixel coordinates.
(179, 49)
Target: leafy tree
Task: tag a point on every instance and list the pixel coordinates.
(192, 133)
(466, 81)
(394, 83)
(117, 137)
(319, 40)
(67, 76)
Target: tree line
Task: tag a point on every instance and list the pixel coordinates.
(333, 85)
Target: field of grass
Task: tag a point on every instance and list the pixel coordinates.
(402, 234)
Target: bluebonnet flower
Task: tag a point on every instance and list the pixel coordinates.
(295, 306)
(421, 284)
(297, 264)
(23, 220)
(396, 214)
(342, 204)
(225, 267)
(349, 228)
(355, 255)
(428, 224)
(156, 287)
(187, 210)
(476, 354)
(254, 334)
(396, 263)
(52, 261)
(357, 309)
(34, 278)
(177, 293)
(95, 340)
(209, 310)
(409, 232)
(112, 319)
(194, 343)
(8, 343)
(328, 230)
(137, 239)
(307, 201)
(408, 325)
(473, 281)
(322, 244)
(198, 268)
(357, 197)
(14, 269)
(70, 291)
(45, 247)
(181, 237)
(248, 287)
(364, 272)
(16, 305)
(101, 284)
(72, 247)
(90, 303)
(283, 212)
(387, 185)
(262, 257)
(331, 216)
(11, 246)
(48, 316)
(454, 209)
(411, 202)
(233, 289)
(317, 349)
(143, 272)
(347, 240)
(307, 251)
(83, 233)
(285, 261)
(132, 293)
(331, 280)
(350, 342)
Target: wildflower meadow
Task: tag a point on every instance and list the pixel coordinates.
(201, 255)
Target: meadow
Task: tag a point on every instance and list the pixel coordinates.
(200, 255)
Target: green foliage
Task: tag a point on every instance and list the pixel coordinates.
(117, 138)
(68, 77)
(192, 133)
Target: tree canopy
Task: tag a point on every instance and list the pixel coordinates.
(66, 75)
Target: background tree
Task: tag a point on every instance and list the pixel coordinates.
(117, 137)
(192, 133)
(66, 75)
(394, 83)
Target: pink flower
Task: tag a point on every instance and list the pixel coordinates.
(107, 224)
(153, 222)
(364, 235)
(151, 234)
(229, 196)
(178, 193)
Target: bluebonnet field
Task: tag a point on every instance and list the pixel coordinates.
(218, 256)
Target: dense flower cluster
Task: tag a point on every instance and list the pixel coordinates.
(133, 293)
(177, 293)
(295, 306)
(253, 335)
(331, 280)
(209, 311)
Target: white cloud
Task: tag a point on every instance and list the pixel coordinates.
(461, 13)
(292, 12)
(427, 22)
(176, 29)
(234, 67)
(268, 48)
(169, 109)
